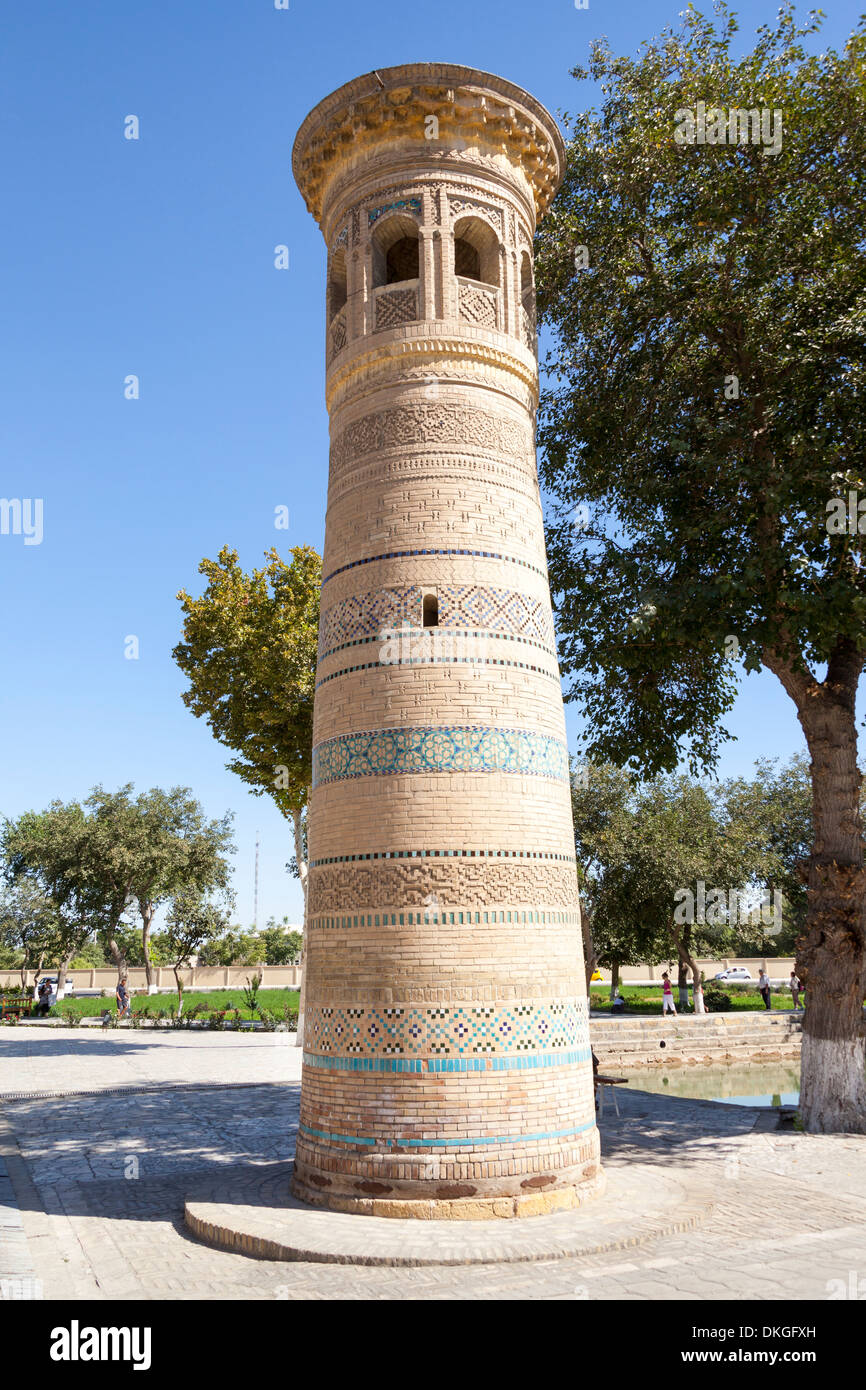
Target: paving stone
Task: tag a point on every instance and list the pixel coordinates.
(99, 1235)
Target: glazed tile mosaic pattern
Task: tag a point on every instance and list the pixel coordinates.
(412, 205)
(460, 605)
(460, 1030)
(401, 751)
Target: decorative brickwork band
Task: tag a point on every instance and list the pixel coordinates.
(399, 752)
(558, 1025)
(441, 424)
(494, 611)
(471, 884)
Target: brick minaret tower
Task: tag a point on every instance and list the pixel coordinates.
(446, 1044)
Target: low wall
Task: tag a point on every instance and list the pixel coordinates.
(697, 1040)
(778, 968)
(199, 977)
(289, 976)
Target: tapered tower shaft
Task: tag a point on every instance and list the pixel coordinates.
(446, 1046)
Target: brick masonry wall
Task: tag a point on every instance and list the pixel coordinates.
(446, 1045)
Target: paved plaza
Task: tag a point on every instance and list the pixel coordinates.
(103, 1136)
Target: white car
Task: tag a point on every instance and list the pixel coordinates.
(736, 972)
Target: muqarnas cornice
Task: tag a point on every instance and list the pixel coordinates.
(482, 119)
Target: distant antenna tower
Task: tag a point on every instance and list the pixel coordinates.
(256, 889)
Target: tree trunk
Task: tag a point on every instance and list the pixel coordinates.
(614, 978)
(301, 862)
(684, 953)
(590, 955)
(683, 967)
(179, 981)
(118, 957)
(147, 915)
(62, 972)
(25, 968)
(831, 952)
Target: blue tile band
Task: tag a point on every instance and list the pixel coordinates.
(419, 1065)
(480, 1142)
(401, 751)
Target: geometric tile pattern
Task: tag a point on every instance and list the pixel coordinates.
(460, 605)
(400, 751)
(448, 1030)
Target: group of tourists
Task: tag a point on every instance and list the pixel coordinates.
(764, 989)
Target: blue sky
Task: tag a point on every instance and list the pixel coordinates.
(156, 258)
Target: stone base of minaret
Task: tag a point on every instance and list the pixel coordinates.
(456, 1201)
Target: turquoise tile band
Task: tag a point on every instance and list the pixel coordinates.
(401, 751)
(481, 1141)
(418, 1065)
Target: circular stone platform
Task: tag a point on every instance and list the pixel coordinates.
(257, 1216)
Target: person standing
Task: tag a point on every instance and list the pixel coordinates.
(122, 997)
(764, 987)
(44, 998)
(668, 1006)
(795, 988)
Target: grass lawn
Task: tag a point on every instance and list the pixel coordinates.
(647, 999)
(273, 999)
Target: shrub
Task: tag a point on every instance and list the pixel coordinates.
(716, 1001)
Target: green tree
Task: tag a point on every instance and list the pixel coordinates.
(176, 848)
(280, 946)
(192, 921)
(671, 865)
(602, 806)
(249, 652)
(31, 926)
(45, 856)
(90, 956)
(705, 406)
(97, 861)
(234, 947)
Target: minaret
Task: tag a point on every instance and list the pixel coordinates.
(447, 1066)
